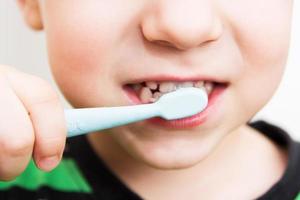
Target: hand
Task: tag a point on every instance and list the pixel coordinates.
(32, 123)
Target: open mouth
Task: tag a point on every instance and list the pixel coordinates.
(151, 91)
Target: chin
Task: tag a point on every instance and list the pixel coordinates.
(168, 154)
(172, 161)
(173, 158)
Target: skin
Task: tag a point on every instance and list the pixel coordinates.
(93, 52)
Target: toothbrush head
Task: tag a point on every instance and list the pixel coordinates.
(182, 103)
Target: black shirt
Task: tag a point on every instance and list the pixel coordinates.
(82, 175)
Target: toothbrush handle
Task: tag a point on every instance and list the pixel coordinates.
(84, 120)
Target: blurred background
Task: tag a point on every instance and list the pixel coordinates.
(26, 50)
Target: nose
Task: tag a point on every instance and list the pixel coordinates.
(183, 24)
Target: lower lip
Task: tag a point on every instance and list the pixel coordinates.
(188, 122)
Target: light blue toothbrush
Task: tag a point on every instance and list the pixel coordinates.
(181, 103)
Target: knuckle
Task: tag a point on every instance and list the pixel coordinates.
(46, 98)
(16, 147)
(44, 93)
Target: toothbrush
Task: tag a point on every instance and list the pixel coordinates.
(181, 103)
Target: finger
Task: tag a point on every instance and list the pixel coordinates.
(47, 116)
(16, 134)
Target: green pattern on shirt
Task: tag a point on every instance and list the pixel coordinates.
(298, 196)
(65, 177)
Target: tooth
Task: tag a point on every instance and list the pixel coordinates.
(199, 84)
(208, 87)
(184, 85)
(145, 95)
(157, 95)
(152, 85)
(167, 87)
(152, 100)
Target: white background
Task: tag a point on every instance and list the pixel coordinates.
(26, 50)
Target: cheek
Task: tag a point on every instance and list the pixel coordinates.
(263, 36)
(77, 66)
(80, 47)
(85, 33)
(84, 38)
(264, 30)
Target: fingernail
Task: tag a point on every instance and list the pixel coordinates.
(48, 163)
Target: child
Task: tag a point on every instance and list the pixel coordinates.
(122, 52)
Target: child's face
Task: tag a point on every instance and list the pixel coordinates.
(98, 47)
